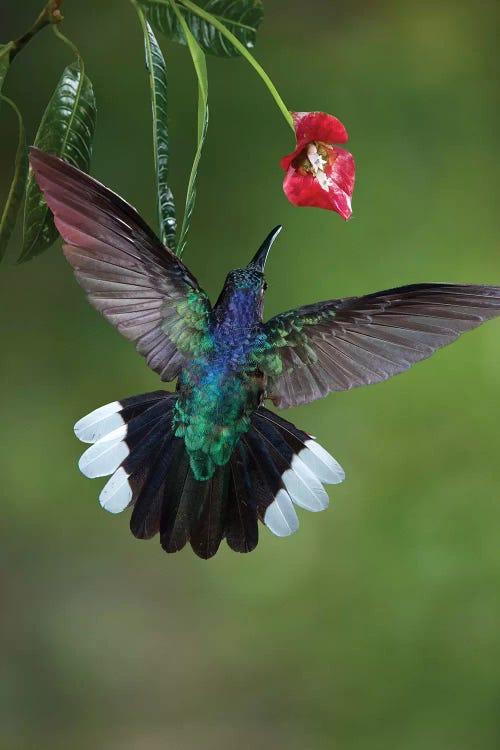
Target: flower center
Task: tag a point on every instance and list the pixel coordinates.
(313, 160)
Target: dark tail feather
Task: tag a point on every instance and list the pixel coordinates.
(242, 530)
(274, 467)
(150, 500)
(209, 528)
(194, 511)
(134, 441)
(178, 514)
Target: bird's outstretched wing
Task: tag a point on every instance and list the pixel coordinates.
(344, 343)
(137, 283)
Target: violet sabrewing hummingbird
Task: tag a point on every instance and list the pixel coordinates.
(208, 461)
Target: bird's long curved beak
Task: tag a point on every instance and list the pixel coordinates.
(259, 260)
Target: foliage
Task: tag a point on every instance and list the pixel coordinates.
(157, 70)
(223, 28)
(241, 17)
(67, 130)
(200, 67)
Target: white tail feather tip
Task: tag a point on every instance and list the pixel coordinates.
(280, 517)
(311, 494)
(116, 494)
(321, 463)
(103, 458)
(98, 423)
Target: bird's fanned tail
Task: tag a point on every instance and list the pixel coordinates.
(273, 468)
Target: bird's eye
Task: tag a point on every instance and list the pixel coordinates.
(264, 286)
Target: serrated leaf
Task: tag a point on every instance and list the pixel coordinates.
(17, 186)
(200, 66)
(157, 69)
(241, 17)
(67, 130)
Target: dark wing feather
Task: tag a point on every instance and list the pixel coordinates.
(130, 277)
(342, 344)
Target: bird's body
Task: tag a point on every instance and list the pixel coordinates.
(221, 386)
(209, 460)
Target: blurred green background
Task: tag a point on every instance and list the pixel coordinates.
(377, 625)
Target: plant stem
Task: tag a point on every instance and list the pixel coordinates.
(70, 44)
(209, 18)
(200, 66)
(49, 15)
(16, 190)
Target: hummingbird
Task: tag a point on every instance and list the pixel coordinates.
(209, 460)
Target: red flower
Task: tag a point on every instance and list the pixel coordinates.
(317, 172)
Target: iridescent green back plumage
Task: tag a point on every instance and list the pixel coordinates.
(220, 386)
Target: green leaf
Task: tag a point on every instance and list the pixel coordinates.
(200, 66)
(155, 63)
(17, 186)
(67, 130)
(241, 17)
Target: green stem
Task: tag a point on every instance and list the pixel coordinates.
(81, 83)
(209, 18)
(140, 14)
(17, 186)
(70, 44)
(49, 15)
(196, 55)
(167, 222)
(6, 50)
(200, 67)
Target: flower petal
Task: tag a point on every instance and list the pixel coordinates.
(287, 160)
(343, 170)
(314, 126)
(318, 126)
(305, 189)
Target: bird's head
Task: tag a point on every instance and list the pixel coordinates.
(244, 289)
(258, 261)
